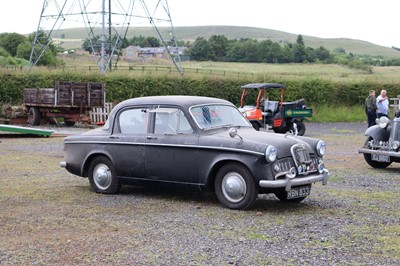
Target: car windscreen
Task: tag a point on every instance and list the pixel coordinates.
(214, 116)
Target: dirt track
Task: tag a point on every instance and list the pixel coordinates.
(49, 217)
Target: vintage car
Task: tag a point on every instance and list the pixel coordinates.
(200, 141)
(382, 146)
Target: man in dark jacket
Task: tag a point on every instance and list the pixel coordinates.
(370, 108)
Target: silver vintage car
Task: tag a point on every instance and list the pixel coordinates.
(200, 141)
(382, 146)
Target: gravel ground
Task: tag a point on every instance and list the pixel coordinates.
(49, 217)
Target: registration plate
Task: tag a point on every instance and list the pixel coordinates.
(380, 158)
(298, 192)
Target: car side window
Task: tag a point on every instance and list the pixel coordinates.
(134, 121)
(171, 121)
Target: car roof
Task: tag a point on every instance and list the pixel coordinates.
(263, 86)
(181, 100)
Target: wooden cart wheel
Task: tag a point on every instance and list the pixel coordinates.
(34, 116)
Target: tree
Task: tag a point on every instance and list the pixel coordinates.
(218, 45)
(200, 51)
(10, 42)
(49, 56)
(299, 51)
(91, 45)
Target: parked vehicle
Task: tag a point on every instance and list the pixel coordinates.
(277, 115)
(71, 101)
(382, 146)
(200, 141)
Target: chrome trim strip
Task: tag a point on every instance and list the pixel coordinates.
(168, 145)
(292, 182)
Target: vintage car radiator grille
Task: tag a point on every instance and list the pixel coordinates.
(300, 155)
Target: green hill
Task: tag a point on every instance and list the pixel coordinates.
(73, 38)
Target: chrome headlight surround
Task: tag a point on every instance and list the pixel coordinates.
(321, 148)
(270, 154)
(383, 122)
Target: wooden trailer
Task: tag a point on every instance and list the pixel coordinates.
(71, 101)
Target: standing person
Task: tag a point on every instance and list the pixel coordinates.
(382, 102)
(370, 108)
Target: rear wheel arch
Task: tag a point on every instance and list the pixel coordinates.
(89, 159)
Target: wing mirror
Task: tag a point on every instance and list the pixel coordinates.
(233, 133)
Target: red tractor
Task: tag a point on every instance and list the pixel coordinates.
(279, 116)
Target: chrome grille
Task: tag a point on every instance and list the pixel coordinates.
(285, 166)
(300, 155)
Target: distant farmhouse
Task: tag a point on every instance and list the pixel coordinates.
(137, 53)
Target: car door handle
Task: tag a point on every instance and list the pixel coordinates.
(151, 137)
(114, 137)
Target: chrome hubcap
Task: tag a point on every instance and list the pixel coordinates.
(102, 176)
(234, 187)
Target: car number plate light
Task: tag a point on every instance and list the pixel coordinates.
(298, 192)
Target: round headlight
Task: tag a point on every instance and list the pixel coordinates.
(383, 122)
(321, 148)
(270, 154)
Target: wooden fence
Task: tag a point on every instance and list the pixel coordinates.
(99, 114)
(396, 103)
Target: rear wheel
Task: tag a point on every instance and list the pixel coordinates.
(102, 177)
(368, 157)
(34, 116)
(256, 126)
(235, 187)
(301, 128)
(69, 123)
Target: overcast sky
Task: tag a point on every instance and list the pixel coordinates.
(369, 20)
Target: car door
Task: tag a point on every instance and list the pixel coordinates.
(172, 147)
(128, 140)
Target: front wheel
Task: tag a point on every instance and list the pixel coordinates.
(235, 187)
(102, 177)
(368, 157)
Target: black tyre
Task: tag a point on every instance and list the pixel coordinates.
(282, 196)
(301, 128)
(69, 123)
(34, 116)
(368, 159)
(281, 130)
(235, 187)
(256, 126)
(102, 177)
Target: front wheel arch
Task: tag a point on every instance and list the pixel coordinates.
(368, 158)
(235, 186)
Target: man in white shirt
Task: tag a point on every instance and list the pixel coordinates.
(382, 102)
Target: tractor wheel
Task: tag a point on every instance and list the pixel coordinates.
(301, 128)
(34, 116)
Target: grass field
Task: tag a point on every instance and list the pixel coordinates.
(282, 71)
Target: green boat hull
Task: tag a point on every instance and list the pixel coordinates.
(25, 130)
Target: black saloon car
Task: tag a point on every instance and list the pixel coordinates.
(200, 141)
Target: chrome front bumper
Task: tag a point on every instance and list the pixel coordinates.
(380, 152)
(290, 181)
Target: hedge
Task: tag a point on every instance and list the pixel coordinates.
(314, 90)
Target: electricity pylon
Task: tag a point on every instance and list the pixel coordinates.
(106, 23)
